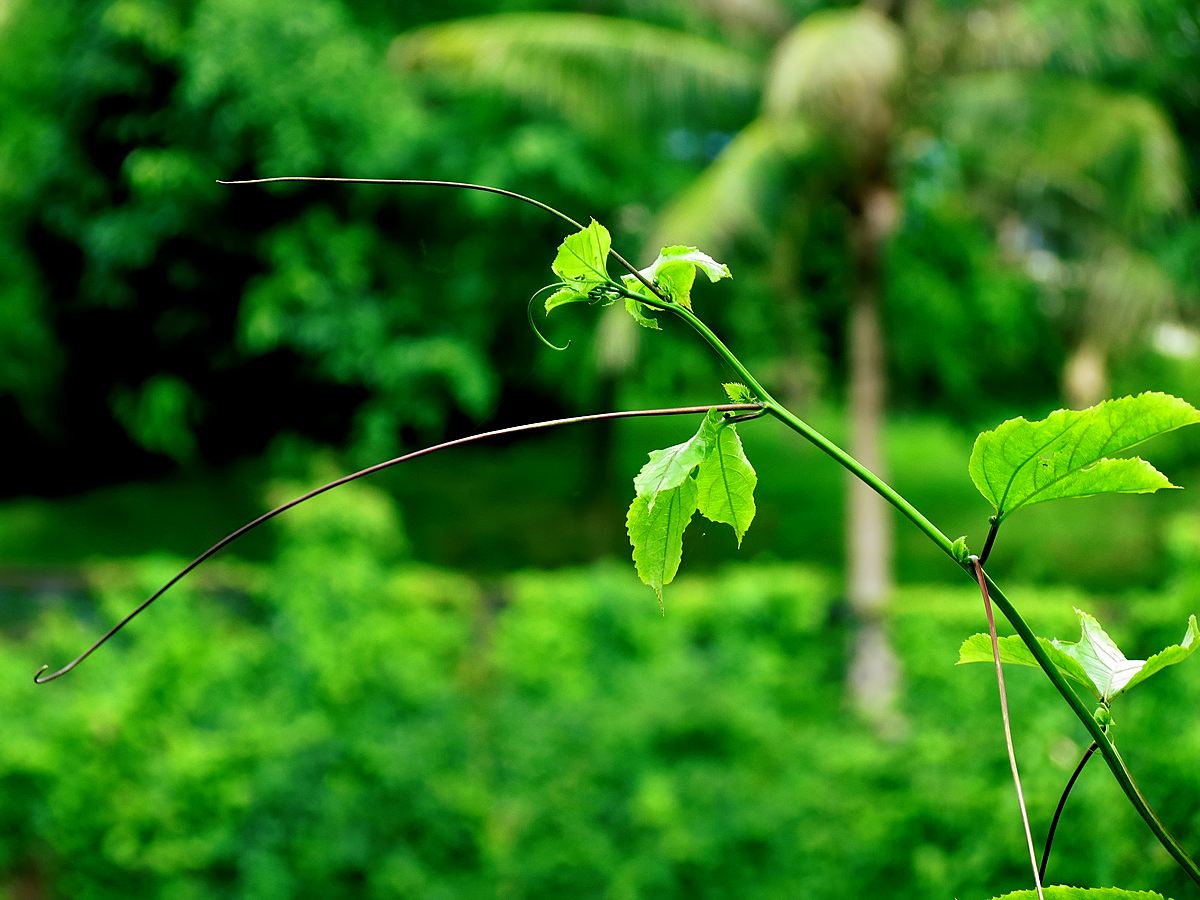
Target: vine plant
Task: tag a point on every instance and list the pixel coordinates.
(1069, 454)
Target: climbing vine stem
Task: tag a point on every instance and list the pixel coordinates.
(656, 298)
(773, 407)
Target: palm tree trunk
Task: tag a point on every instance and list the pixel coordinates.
(1085, 376)
(873, 677)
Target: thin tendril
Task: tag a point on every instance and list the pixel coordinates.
(1012, 753)
(464, 186)
(362, 473)
(1062, 802)
(745, 417)
(533, 325)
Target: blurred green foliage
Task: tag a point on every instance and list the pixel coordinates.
(159, 314)
(143, 298)
(352, 705)
(342, 722)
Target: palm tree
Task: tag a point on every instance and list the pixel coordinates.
(1074, 176)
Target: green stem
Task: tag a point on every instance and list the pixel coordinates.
(1115, 763)
(798, 425)
(910, 512)
(844, 459)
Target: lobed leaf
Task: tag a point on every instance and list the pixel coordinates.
(639, 311)
(674, 271)
(1168, 656)
(1059, 892)
(668, 468)
(667, 495)
(656, 533)
(726, 483)
(978, 649)
(1101, 658)
(1093, 661)
(1067, 454)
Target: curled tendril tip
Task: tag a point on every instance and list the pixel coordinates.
(533, 325)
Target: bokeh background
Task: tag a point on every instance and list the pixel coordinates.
(447, 681)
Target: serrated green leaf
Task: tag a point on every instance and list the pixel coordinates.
(564, 295)
(1093, 661)
(670, 257)
(726, 483)
(656, 533)
(582, 256)
(1169, 656)
(1058, 892)
(638, 311)
(674, 271)
(668, 468)
(738, 392)
(1067, 453)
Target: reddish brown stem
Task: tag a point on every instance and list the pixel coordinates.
(1012, 753)
(362, 473)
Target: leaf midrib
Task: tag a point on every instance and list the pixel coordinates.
(1032, 456)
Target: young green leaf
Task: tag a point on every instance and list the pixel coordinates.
(582, 256)
(638, 311)
(978, 649)
(563, 295)
(656, 533)
(1067, 453)
(726, 483)
(668, 468)
(1168, 656)
(1075, 893)
(674, 271)
(960, 550)
(1093, 661)
(738, 392)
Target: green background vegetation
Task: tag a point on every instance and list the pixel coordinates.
(449, 682)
